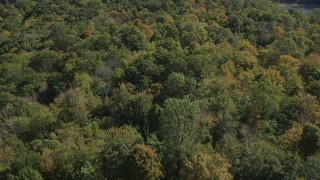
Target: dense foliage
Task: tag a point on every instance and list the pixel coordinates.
(158, 89)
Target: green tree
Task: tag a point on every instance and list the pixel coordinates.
(193, 34)
(265, 161)
(62, 36)
(180, 123)
(310, 140)
(45, 61)
(119, 143)
(27, 174)
(286, 46)
(39, 121)
(177, 85)
(267, 98)
(132, 37)
(310, 169)
(315, 15)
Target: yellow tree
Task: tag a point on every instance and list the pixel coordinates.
(144, 163)
(207, 166)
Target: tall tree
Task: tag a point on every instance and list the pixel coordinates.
(180, 122)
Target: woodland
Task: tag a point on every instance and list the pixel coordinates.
(158, 89)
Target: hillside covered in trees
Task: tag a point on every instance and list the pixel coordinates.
(158, 89)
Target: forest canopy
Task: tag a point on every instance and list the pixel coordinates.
(158, 89)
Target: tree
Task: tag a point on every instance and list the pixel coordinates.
(119, 143)
(204, 166)
(7, 155)
(17, 77)
(172, 61)
(144, 163)
(310, 169)
(45, 61)
(133, 109)
(193, 34)
(218, 34)
(94, 43)
(75, 105)
(307, 106)
(293, 81)
(177, 85)
(72, 152)
(62, 36)
(313, 88)
(291, 138)
(47, 162)
(180, 123)
(24, 165)
(143, 72)
(310, 140)
(26, 173)
(286, 46)
(265, 161)
(315, 15)
(310, 70)
(267, 98)
(37, 123)
(132, 37)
